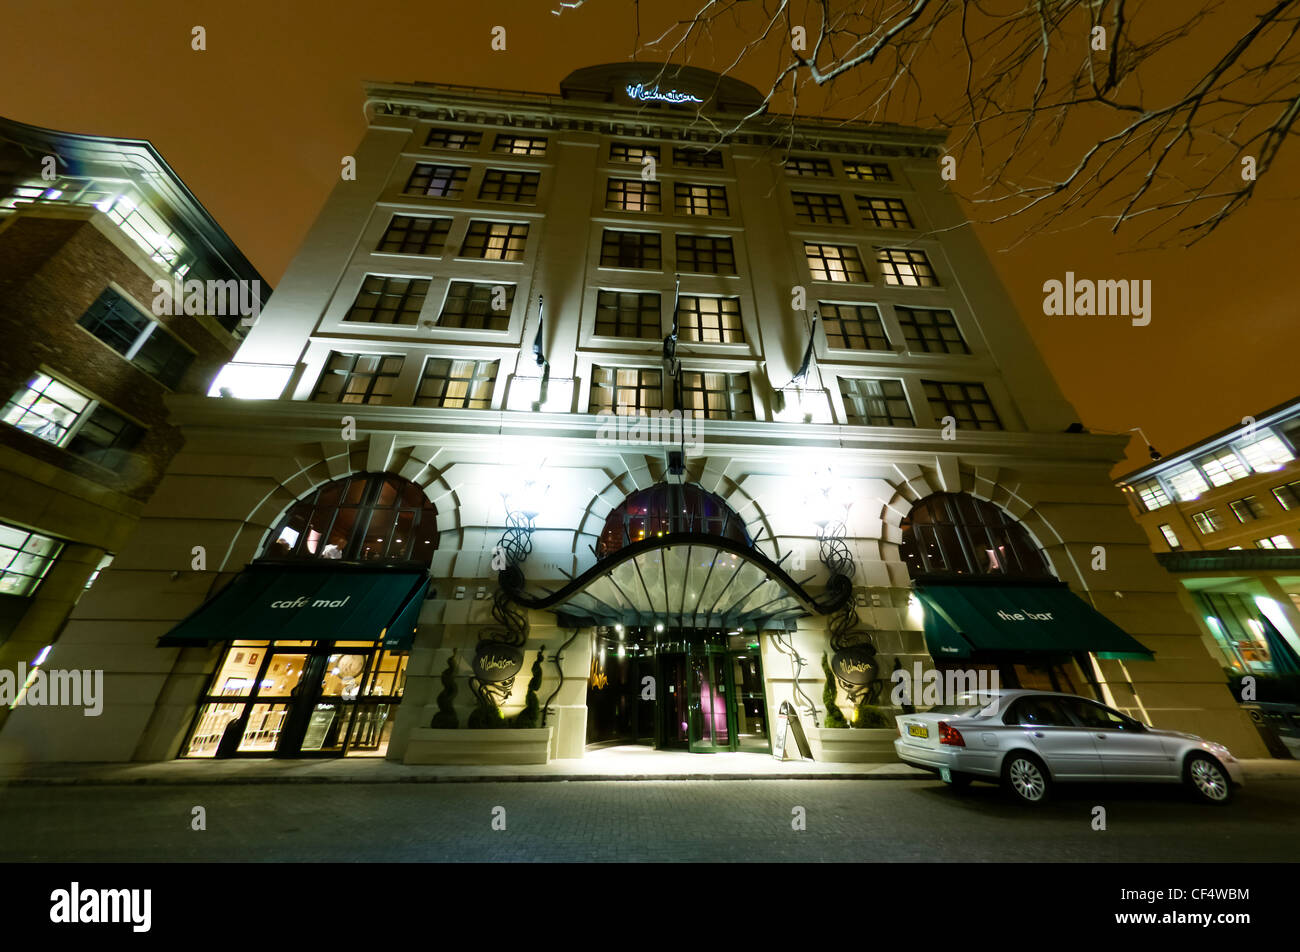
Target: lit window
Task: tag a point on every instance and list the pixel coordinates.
(25, 557)
(1267, 454)
(1152, 494)
(875, 402)
(457, 384)
(626, 391)
(386, 300)
(520, 145)
(834, 262)
(700, 199)
(903, 267)
(1247, 509)
(1188, 484)
(711, 396)
(359, 378)
(1170, 537)
(867, 171)
(1223, 467)
(495, 241)
(57, 413)
(636, 154)
(1274, 542)
(883, 212)
(632, 195)
(710, 320)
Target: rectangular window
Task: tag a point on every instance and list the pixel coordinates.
(875, 402)
(688, 157)
(1288, 495)
(931, 331)
(711, 396)
(903, 267)
(453, 139)
(437, 181)
(409, 235)
(501, 185)
(495, 240)
(1274, 542)
(457, 384)
(632, 195)
(630, 249)
(1207, 521)
(819, 208)
(1188, 484)
(967, 403)
(1151, 494)
(853, 326)
(125, 328)
(834, 262)
(520, 145)
(25, 557)
(884, 212)
(700, 199)
(820, 168)
(710, 320)
(867, 171)
(1247, 509)
(1266, 455)
(60, 414)
(627, 314)
(705, 254)
(478, 306)
(387, 300)
(359, 378)
(1223, 467)
(1170, 537)
(626, 391)
(635, 154)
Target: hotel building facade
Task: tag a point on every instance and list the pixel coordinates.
(1223, 517)
(441, 455)
(88, 224)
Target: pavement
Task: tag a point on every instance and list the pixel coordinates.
(606, 764)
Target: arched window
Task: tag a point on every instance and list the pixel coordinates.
(954, 534)
(668, 508)
(369, 517)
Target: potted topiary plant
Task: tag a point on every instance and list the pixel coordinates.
(529, 717)
(446, 718)
(834, 717)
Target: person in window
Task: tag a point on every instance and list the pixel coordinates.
(331, 551)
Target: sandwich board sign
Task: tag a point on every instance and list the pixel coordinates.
(787, 723)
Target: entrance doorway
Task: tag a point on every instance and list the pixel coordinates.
(679, 689)
(299, 699)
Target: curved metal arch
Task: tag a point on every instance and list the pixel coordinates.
(750, 589)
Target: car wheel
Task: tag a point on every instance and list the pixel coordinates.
(1206, 779)
(1026, 779)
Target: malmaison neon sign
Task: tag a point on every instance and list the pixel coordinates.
(652, 94)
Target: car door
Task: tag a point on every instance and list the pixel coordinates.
(1068, 748)
(1128, 751)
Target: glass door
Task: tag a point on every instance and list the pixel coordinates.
(711, 723)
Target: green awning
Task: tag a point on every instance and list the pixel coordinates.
(966, 620)
(307, 603)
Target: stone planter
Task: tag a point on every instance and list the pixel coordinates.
(847, 745)
(504, 745)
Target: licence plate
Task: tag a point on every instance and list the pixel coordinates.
(918, 730)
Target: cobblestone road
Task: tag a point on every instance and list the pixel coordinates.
(638, 821)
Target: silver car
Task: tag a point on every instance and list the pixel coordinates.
(1029, 740)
